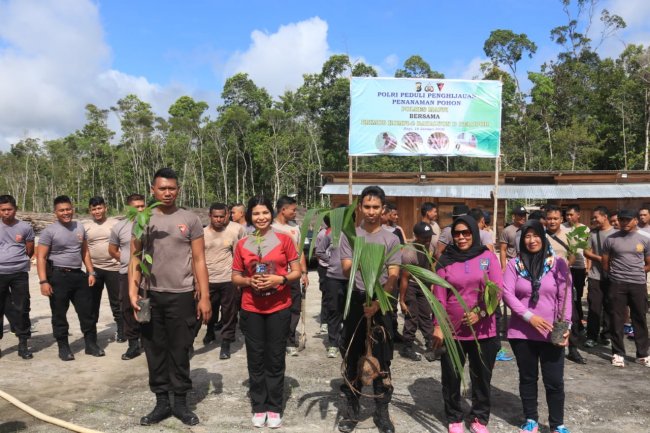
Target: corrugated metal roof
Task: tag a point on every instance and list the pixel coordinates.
(547, 192)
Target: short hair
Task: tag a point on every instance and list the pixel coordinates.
(574, 207)
(426, 207)
(326, 220)
(536, 215)
(96, 201)
(477, 214)
(165, 173)
(234, 205)
(283, 201)
(373, 191)
(644, 206)
(552, 208)
(390, 206)
(8, 199)
(258, 200)
(613, 213)
(218, 206)
(134, 197)
(601, 210)
(62, 199)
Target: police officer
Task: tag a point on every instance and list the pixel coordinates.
(64, 245)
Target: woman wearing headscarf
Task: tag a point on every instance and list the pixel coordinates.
(536, 283)
(466, 265)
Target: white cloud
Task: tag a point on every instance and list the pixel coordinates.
(277, 61)
(636, 14)
(391, 61)
(53, 61)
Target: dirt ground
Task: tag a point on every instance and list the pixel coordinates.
(110, 395)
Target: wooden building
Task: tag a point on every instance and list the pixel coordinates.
(614, 189)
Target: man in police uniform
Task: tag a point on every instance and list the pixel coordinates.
(63, 243)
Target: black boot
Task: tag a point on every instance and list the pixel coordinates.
(133, 351)
(23, 350)
(182, 412)
(430, 353)
(409, 352)
(350, 419)
(225, 350)
(64, 349)
(575, 356)
(161, 411)
(91, 345)
(382, 419)
(119, 335)
(209, 336)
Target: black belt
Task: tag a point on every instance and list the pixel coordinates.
(64, 269)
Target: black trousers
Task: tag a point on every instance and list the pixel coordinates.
(482, 355)
(419, 316)
(71, 287)
(622, 295)
(578, 276)
(296, 306)
(110, 279)
(598, 317)
(15, 303)
(334, 295)
(322, 276)
(167, 340)
(131, 326)
(530, 356)
(265, 336)
(382, 348)
(225, 297)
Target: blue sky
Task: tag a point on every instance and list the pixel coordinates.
(58, 55)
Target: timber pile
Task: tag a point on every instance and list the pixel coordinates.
(38, 220)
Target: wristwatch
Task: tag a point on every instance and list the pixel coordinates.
(92, 274)
(43, 282)
(284, 280)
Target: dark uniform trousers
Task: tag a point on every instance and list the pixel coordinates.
(15, 303)
(110, 279)
(322, 278)
(621, 295)
(382, 348)
(419, 316)
(265, 336)
(578, 276)
(334, 295)
(599, 309)
(71, 287)
(296, 306)
(225, 297)
(482, 356)
(167, 340)
(131, 326)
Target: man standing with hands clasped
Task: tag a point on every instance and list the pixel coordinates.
(64, 245)
(175, 242)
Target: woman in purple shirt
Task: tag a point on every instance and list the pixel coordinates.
(465, 264)
(536, 283)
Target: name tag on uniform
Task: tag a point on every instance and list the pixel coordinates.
(484, 264)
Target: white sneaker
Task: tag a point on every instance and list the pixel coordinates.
(644, 361)
(292, 351)
(273, 420)
(618, 361)
(259, 419)
(323, 328)
(333, 352)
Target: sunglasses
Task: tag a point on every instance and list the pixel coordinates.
(464, 233)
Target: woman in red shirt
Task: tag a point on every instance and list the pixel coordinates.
(264, 263)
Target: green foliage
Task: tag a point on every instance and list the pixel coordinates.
(491, 295)
(577, 239)
(140, 230)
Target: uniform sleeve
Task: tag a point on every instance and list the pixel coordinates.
(509, 281)
(565, 289)
(241, 233)
(322, 244)
(196, 228)
(445, 237)
(607, 245)
(29, 234)
(345, 249)
(45, 238)
(81, 228)
(289, 248)
(502, 237)
(392, 247)
(237, 259)
(409, 256)
(114, 238)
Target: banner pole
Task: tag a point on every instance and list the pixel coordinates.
(496, 195)
(349, 180)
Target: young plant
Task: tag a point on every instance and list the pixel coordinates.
(141, 233)
(577, 240)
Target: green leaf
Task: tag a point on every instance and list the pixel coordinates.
(349, 228)
(145, 269)
(491, 295)
(371, 266)
(317, 225)
(131, 213)
(137, 231)
(148, 258)
(304, 229)
(428, 276)
(142, 220)
(356, 258)
(336, 223)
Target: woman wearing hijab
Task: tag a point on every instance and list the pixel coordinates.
(466, 264)
(536, 283)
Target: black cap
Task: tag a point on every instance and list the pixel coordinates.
(519, 210)
(627, 213)
(422, 230)
(459, 210)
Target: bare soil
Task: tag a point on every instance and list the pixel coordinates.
(110, 395)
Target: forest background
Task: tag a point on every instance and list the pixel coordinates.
(580, 112)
